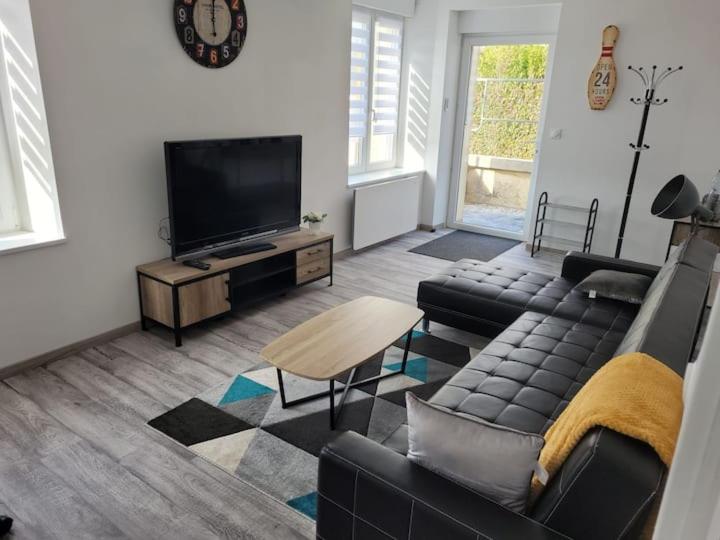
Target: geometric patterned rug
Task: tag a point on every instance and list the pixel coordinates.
(241, 427)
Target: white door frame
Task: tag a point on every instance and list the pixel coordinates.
(462, 113)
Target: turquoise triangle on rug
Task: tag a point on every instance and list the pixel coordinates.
(417, 368)
(244, 388)
(307, 504)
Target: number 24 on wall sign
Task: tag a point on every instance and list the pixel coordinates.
(603, 77)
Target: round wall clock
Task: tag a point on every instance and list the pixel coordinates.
(212, 32)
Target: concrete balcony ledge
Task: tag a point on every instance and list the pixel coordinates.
(477, 161)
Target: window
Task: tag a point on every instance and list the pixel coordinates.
(29, 211)
(375, 67)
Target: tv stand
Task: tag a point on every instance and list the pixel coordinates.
(177, 296)
(246, 249)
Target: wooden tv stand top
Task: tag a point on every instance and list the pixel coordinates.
(176, 273)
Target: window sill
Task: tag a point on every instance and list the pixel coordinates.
(15, 242)
(377, 177)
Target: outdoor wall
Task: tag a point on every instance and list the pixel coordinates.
(117, 84)
(497, 181)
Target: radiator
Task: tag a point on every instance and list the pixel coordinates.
(386, 210)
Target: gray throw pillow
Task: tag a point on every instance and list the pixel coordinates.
(496, 461)
(623, 286)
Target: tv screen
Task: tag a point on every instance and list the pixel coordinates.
(226, 191)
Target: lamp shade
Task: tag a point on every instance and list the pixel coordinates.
(678, 199)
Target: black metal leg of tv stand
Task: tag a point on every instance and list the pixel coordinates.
(177, 330)
(143, 320)
(332, 261)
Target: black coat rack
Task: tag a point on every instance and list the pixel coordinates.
(651, 83)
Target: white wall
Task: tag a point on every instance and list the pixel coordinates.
(406, 8)
(511, 20)
(9, 219)
(117, 84)
(418, 64)
(593, 157)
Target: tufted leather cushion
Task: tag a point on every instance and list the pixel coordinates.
(527, 375)
(488, 291)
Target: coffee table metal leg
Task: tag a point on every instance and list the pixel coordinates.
(289, 403)
(282, 389)
(408, 340)
(334, 419)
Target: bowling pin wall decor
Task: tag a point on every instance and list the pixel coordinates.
(603, 78)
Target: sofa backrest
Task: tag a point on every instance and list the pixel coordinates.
(607, 485)
(669, 318)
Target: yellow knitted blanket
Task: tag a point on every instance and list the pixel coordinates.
(633, 394)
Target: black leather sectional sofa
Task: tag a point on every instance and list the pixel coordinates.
(549, 341)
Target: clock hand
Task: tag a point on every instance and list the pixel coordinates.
(213, 18)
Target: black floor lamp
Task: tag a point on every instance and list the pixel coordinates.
(680, 199)
(651, 83)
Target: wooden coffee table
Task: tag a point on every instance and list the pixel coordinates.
(341, 340)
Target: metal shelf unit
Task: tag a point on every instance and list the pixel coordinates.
(541, 220)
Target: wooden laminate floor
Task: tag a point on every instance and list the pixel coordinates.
(77, 460)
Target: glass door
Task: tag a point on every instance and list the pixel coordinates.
(499, 114)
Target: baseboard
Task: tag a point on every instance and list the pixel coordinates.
(68, 350)
(376, 245)
(342, 254)
(430, 228)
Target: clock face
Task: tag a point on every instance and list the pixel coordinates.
(212, 32)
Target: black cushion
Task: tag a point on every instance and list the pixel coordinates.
(621, 286)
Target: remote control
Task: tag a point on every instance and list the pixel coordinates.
(197, 263)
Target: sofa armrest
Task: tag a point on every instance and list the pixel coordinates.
(577, 266)
(606, 488)
(365, 488)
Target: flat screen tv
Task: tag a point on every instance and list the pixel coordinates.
(224, 193)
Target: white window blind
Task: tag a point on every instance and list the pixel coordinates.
(386, 75)
(376, 66)
(359, 73)
(359, 88)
